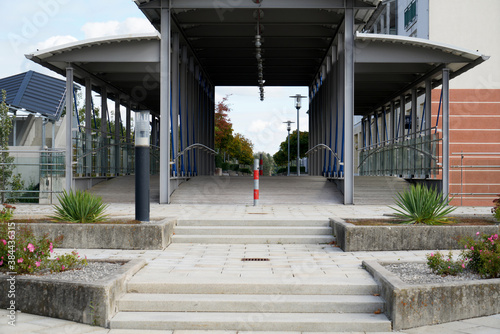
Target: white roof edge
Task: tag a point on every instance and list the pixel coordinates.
(92, 41)
(422, 42)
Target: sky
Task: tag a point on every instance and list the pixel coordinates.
(32, 25)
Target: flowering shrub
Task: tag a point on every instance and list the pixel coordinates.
(7, 212)
(483, 255)
(32, 254)
(444, 266)
(496, 208)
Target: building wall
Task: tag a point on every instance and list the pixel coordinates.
(420, 28)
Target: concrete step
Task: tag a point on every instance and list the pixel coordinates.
(251, 239)
(253, 222)
(141, 302)
(252, 230)
(311, 322)
(159, 284)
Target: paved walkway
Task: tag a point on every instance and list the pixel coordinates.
(218, 261)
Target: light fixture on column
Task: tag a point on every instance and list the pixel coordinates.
(298, 104)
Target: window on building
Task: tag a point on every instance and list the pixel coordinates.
(410, 14)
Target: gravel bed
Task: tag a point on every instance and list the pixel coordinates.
(93, 272)
(419, 273)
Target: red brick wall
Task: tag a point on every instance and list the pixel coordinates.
(474, 128)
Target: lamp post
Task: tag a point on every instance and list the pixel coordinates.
(288, 128)
(298, 104)
(142, 166)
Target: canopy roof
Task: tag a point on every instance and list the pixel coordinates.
(35, 93)
(387, 66)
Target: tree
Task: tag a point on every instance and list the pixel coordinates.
(268, 161)
(8, 180)
(280, 157)
(241, 148)
(223, 126)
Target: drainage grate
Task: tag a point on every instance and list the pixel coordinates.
(254, 259)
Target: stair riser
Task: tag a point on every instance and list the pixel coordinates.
(317, 223)
(264, 289)
(230, 239)
(253, 231)
(268, 307)
(251, 323)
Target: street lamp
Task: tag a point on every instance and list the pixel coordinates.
(288, 127)
(298, 105)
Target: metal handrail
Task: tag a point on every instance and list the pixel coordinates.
(323, 146)
(190, 147)
(397, 146)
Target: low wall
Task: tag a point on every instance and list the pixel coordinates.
(88, 303)
(411, 306)
(352, 238)
(152, 235)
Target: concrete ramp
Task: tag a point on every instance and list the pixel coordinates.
(377, 189)
(273, 190)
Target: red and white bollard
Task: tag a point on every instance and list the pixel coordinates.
(261, 164)
(256, 182)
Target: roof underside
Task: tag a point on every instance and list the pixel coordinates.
(35, 93)
(296, 40)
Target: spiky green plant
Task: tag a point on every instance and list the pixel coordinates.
(422, 205)
(79, 207)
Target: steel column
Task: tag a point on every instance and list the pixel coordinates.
(175, 98)
(69, 128)
(117, 136)
(88, 127)
(103, 134)
(128, 138)
(165, 80)
(428, 124)
(349, 104)
(446, 132)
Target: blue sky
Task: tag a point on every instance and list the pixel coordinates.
(38, 24)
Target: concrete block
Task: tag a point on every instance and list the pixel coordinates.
(428, 304)
(88, 303)
(352, 238)
(153, 235)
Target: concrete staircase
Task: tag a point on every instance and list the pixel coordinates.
(313, 305)
(253, 231)
(375, 190)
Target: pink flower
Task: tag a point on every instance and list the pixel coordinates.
(495, 236)
(1, 262)
(38, 263)
(31, 248)
(448, 267)
(463, 265)
(62, 268)
(51, 247)
(20, 260)
(4, 242)
(57, 259)
(477, 233)
(472, 248)
(432, 254)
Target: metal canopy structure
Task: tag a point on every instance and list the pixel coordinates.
(35, 93)
(314, 43)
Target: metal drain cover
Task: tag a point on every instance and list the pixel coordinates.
(255, 259)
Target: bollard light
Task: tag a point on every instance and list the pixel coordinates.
(142, 127)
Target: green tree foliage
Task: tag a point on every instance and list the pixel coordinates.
(241, 148)
(223, 126)
(8, 180)
(269, 165)
(281, 157)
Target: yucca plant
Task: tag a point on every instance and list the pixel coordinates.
(80, 207)
(422, 205)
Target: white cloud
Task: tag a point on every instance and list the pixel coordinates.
(258, 125)
(55, 41)
(131, 25)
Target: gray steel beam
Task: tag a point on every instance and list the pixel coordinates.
(165, 106)
(183, 86)
(128, 138)
(446, 132)
(69, 128)
(402, 114)
(349, 104)
(175, 96)
(117, 150)
(103, 133)
(222, 6)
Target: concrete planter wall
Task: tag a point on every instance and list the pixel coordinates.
(411, 306)
(352, 238)
(153, 235)
(88, 303)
